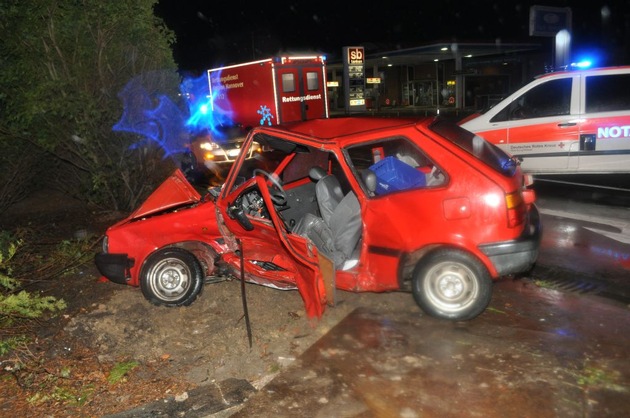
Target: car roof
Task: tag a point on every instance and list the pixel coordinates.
(589, 71)
(333, 128)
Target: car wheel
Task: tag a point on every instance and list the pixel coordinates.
(452, 284)
(171, 277)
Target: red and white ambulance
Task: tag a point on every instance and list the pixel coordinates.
(271, 91)
(569, 122)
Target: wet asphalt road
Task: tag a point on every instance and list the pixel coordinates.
(586, 237)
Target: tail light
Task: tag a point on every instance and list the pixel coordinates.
(515, 208)
(529, 195)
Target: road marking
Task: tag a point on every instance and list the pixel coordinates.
(623, 226)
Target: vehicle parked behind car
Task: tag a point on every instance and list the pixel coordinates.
(357, 204)
(211, 152)
(567, 122)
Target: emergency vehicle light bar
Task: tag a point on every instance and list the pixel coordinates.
(306, 57)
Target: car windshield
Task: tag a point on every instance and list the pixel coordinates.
(270, 152)
(476, 146)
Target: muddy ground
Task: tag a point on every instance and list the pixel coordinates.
(68, 366)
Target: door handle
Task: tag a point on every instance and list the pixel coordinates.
(562, 125)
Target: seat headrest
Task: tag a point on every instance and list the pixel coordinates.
(369, 178)
(317, 173)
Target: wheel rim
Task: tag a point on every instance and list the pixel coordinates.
(170, 279)
(451, 287)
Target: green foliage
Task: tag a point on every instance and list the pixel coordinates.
(64, 63)
(8, 248)
(17, 305)
(120, 370)
(593, 376)
(10, 343)
(26, 305)
(67, 256)
(59, 390)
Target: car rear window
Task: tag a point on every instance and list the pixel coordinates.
(476, 146)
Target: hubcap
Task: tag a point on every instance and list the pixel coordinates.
(170, 278)
(451, 286)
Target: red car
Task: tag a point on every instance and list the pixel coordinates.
(358, 204)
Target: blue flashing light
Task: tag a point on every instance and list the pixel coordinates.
(587, 58)
(203, 115)
(582, 65)
(161, 123)
(157, 119)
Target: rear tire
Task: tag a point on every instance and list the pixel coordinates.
(171, 277)
(451, 284)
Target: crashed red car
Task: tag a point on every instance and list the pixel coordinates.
(358, 204)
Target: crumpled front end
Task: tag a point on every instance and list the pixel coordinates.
(173, 192)
(173, 215)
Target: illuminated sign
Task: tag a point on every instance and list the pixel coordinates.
(373, 80)
(355, 55)
(301, 98)
(332, 84)
(354, 78)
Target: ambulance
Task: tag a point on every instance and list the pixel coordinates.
(271, 91)
(568, 122)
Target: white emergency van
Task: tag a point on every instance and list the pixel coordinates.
(565, 122)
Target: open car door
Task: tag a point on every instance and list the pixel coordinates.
(250, 218)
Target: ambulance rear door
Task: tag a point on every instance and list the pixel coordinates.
(301, 88)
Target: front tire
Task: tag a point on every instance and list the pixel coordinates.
(171, 277)
(451, 284)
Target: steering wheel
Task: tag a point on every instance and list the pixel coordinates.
(279, 196)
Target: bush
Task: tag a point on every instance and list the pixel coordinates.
(63, 68)
(18, 306)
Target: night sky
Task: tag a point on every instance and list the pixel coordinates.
(211, 34)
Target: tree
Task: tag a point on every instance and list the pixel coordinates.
(64, 62)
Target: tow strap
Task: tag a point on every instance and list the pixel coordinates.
(244, 296)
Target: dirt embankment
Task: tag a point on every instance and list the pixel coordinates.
(176, 349)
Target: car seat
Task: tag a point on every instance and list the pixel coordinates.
(338, 231)
(327, 190)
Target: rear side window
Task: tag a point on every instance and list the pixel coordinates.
(552, 98)
(397, 163)
(607, 93)
(477, 146)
